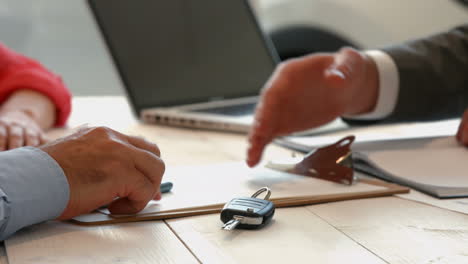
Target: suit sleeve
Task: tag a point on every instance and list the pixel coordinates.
(433, 77)
(19, 72)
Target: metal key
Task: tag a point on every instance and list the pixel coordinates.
(248, 212)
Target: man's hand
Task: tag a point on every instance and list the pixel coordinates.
(102, 165)
(462, 134)
(312, 91)
(18, 129)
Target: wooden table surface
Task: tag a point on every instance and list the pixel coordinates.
(380, 230)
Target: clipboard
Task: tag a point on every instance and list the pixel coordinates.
(218, 184)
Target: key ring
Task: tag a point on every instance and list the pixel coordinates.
(262, 190)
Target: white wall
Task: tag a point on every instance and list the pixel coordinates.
(63, 36)
(370, 23)
(62, 33)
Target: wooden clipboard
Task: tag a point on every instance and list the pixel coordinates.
(324, 175)
(100, 218)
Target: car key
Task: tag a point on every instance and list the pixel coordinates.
(248, 212)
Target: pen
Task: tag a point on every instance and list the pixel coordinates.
(166, 187)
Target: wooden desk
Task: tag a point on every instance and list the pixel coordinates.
(381, 230)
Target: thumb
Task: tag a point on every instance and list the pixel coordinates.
(346, 64)
(126, 206)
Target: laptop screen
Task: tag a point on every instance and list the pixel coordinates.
(185, 51)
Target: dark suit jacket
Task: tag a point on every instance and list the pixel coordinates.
(433, 76)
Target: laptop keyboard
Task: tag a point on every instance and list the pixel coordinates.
(231, 110)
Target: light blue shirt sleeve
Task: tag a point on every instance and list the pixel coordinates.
(33, 189)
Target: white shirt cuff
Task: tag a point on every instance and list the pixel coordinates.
(388, 87)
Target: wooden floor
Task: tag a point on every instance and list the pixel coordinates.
(379, 230)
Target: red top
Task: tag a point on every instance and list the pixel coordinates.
(19, 72)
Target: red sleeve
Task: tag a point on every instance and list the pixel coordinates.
(19, 72)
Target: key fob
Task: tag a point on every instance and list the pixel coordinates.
(248, 212)
(255, 212)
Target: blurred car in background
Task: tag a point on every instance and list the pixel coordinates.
(299, 27)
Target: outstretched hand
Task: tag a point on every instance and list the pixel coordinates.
(311, 91)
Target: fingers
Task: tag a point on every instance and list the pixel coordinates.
(462, 133)
(43, 139)
(101, 164)
(260, 135)
(15, 137)
(264, 125)
(289, 93)
(262, 129)
(144, 185)
(153, 168)
(33, 138)
(3, 138)
(158, 196)
(149, 166)
(258, 143)
(140, 194)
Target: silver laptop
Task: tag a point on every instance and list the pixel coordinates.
(188, 63)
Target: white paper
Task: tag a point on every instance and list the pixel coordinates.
(439, 161)
(442, 162)
(200, 186)
(382, 132)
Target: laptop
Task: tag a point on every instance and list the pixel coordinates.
(190, 63)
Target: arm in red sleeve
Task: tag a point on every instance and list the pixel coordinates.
(18, 72)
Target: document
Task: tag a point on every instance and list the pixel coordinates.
(437, 168)
(205, 189)
(426, 154)
(196, 187)
(367, 136)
